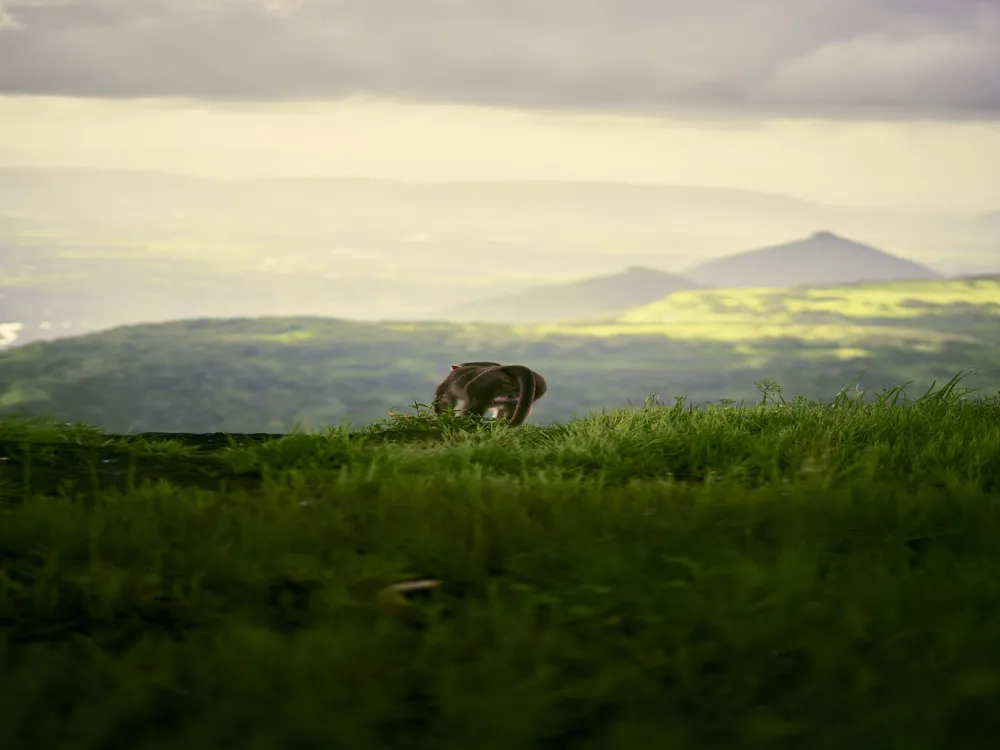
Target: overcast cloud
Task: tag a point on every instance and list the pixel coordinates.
(937, 58)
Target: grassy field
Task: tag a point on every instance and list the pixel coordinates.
(784, 575)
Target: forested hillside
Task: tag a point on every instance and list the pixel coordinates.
(270, 374)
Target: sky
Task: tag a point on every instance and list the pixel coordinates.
(864, 102)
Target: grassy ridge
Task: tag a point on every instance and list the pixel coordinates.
(784, 575)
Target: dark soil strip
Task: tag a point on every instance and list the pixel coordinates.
(28, 468)
(208, 440)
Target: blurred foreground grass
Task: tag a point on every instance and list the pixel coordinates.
(789, 574)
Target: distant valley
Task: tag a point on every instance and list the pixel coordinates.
(88, 250)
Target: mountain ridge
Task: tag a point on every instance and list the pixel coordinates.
(595, 297)
(584, 299)
(823, 258)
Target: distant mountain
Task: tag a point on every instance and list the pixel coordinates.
(818, 260)
(585, 300)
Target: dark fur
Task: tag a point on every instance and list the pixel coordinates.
(511, 389)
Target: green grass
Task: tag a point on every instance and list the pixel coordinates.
(783, 575)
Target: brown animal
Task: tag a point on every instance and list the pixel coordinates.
(478, 387)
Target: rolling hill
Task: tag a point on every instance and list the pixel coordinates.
(268, 374)
(821, 259)
(591, 299)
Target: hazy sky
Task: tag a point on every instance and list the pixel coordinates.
(857, 101)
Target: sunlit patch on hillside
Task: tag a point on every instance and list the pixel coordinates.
(284, 337)
(726, 330)
(21, 393)
(862, 301)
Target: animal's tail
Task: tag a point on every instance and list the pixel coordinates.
(525, 386)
